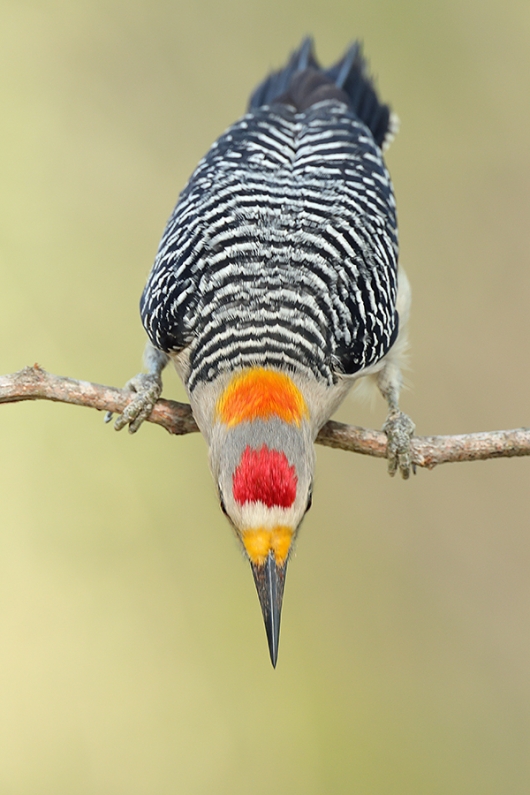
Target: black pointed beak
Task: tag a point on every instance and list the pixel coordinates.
(270, 580)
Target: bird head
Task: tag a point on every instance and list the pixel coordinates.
(262, 458)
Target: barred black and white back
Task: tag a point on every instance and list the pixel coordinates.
(282, 249)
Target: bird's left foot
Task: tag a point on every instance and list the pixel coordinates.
(399, 430)
(146, 388)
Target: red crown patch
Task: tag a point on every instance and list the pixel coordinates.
(265, 476)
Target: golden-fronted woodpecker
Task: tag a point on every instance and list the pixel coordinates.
(274, 289)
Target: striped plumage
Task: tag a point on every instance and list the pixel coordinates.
(274, 288)
(282, 249)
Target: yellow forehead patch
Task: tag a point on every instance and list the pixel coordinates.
(260, 541)
(260, 394)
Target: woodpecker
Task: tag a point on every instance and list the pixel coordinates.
(275, 287)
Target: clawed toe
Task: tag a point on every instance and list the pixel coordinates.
(147, 389)
(399, 430)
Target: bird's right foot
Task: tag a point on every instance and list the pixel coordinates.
(399, 430)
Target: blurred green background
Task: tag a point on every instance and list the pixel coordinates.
(133, 657)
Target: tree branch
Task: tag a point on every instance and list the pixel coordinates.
(34, 383)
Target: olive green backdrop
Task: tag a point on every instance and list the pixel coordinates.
(133, 658)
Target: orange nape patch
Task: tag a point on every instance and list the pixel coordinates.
(259, 394)
(259, 542)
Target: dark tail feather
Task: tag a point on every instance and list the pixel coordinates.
(278, 83)
(351, 74)
(341, 71)
(303, 82)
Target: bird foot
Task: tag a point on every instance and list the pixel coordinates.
(147, 387)
(399, 430)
